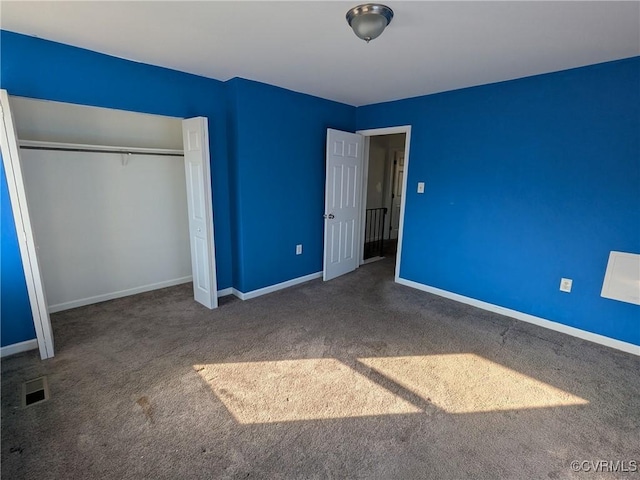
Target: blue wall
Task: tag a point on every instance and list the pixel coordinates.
(275, 139)
(277, 147)
(527, 181)
(17, 322)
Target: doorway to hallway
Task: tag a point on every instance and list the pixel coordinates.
(385, 167)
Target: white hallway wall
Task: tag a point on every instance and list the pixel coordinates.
(376, 174)
(382, 149)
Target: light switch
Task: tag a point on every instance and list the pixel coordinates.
(566, 284)
(420, 187)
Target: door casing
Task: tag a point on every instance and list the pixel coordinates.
(24, 230)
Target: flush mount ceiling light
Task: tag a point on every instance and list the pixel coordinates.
(369, 20)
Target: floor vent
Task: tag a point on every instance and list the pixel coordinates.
(35, 391)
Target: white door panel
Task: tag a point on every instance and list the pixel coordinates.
(343, 192)
(200, 208)
(26, 240)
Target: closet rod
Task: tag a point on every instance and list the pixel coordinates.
(92, 150)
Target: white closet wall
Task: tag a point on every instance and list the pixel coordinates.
(68, 123)
(106, 225)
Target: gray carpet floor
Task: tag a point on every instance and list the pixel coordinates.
(355, 378)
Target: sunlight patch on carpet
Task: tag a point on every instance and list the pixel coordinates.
(468, 383)
(293, 390)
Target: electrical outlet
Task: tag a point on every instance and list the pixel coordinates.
(420, 187)
(565, 285)
(299, 249)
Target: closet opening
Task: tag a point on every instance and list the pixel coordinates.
(118, 202)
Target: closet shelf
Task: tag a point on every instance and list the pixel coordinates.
(79, 147)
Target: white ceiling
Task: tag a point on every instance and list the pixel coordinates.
(308, 47)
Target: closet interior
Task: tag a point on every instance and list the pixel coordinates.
(107, 198)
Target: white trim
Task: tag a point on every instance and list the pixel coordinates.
(102, 148)
(237, 293)
(24, 231)
(113, 295)
(18, 347)
(365, 189)
(406, 129)
(274, 288)
(374, 132)
(225, 291)
(525, 317)
(372, 259)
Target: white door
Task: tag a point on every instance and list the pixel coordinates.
(396, 202)
(343, 196)
(28, 249)
(195, 134)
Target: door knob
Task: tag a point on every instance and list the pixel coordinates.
(330, 216)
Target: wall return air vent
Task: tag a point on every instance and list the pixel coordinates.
(622, 278)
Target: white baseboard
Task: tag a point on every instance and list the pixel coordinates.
(525, 317)
(18, 348)
(122, 293)
(371, 260)
(278, 286)
(225, 291)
